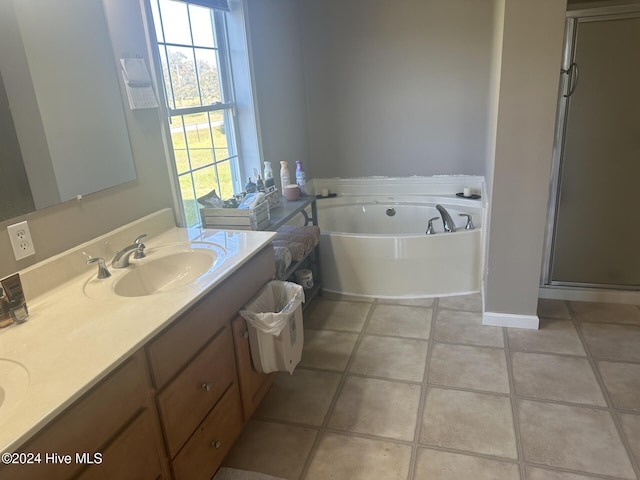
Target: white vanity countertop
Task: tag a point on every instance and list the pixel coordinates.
(70, 341)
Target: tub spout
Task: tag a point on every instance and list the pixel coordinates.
(449, 226)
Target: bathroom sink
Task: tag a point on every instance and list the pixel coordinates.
(14, 381)
(164, 273)
(164, 268)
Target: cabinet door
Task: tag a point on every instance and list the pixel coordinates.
(253, 385)
(132, 455)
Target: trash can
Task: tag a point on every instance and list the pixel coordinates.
(274, 318)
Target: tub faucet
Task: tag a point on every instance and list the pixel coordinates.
(430, 229)
(121, 260)
(469, 225)
(449, 226)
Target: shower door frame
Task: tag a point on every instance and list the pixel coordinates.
(566, 81)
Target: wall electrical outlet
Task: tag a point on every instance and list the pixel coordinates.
(20, 238)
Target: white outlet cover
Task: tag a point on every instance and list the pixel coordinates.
(20, 238)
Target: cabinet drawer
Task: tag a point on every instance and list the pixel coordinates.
(192, 394)
(132, 455)
(88, 424)
(173, 349)
(203, 453)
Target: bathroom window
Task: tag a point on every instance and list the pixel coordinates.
(194, 56)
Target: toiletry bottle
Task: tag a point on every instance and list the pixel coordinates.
(250, 187)
(260, 184)
(301, 179)
(284, 175)
(268, 171)
(5, 316)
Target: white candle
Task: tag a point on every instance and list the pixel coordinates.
(325, 192)
(467, 191)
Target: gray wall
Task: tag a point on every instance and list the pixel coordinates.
(61, 227)
(279, 82)
(397, 88)
(528, 92)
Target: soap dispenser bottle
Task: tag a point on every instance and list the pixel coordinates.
(301, 179)
(268, 171)
(250, 187)
(284, 175)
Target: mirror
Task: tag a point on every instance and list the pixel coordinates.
(60, 85)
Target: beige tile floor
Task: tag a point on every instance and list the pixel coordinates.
(420, 390)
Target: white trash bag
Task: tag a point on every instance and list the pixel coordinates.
(270, 310)
(274, 318)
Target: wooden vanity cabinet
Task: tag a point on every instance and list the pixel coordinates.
(195, 364)
(104, 427)
(172, 410)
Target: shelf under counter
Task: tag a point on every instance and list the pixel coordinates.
(283, 213)
(310, 294)
(285, 210)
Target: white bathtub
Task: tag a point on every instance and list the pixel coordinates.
(366, 252)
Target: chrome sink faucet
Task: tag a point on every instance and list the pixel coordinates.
(103, 271)
(449, 226)
(121, 260)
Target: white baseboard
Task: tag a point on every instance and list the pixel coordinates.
(494, 319)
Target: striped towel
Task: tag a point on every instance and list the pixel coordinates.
(296, 249)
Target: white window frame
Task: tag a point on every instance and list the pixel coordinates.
(229, 108)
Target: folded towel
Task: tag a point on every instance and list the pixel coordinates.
(251, 200)
(307, 242)
(309, 230)
(296, 249)
(283, 260)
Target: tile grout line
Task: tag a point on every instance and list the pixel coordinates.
(580, 473)
(610, 407)
(514, 404)
(423, 391)
(343, 378)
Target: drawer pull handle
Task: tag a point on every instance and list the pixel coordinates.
(206, 387)
(245, 334)
(216, 444)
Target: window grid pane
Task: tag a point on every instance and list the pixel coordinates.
(175, 25)
(202, 29)
(208, 76)
(225, 179)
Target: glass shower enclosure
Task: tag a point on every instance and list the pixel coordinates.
(593, 237)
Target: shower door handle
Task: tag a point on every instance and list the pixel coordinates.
(574, 74)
